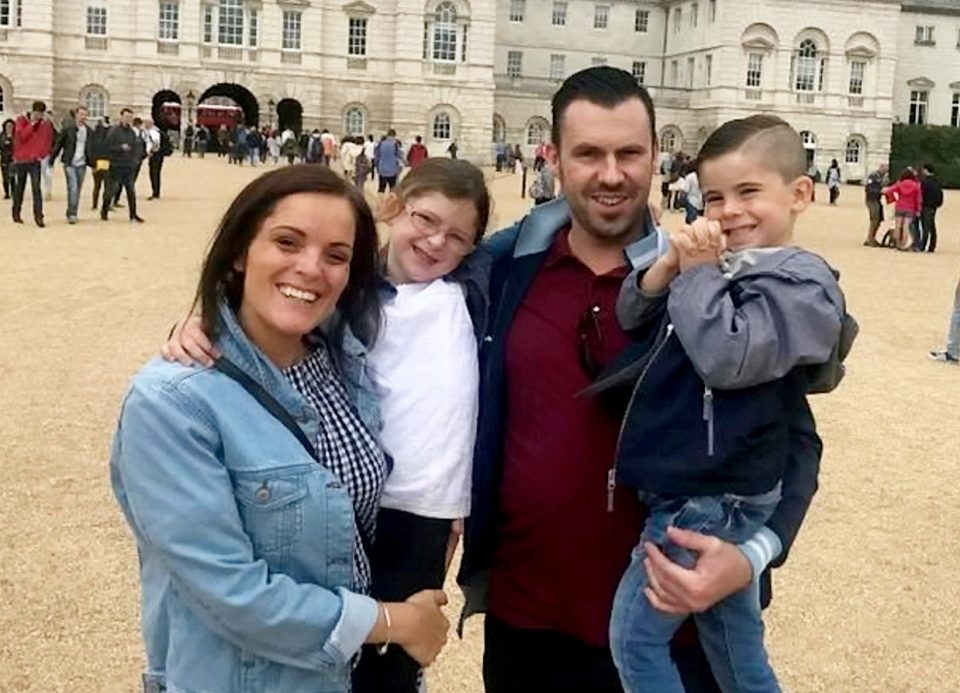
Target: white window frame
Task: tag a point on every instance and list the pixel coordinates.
(853, 151)
(357, 37)
(668, 141)
(806, 66)
(230, 23)
(924, 35)
(641, 21)
(351, 117)
(558, 66)
(754, 70)
(95, 101)
(442, 126)
(559, 13)
(207, 24)
(514, 64)
(919, 103)
(292, 31)
(639, 71)
(445, 34)
(601, 16)
(168, 21)
(955, 110)
(518, 9)
(858, 69)
(253, 27)
(96, 20)
(536, 132)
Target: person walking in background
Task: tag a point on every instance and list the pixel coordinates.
(907, 197)
(932, 195)
(123, 145)
(6, 156)
(99, 160)
(363, 166)
(329, 143)
(813, 173)
(452, 149)
(833, 181)
(389, 160)
(32, 141)
(273, 147)
(153, 138)
(692, 194)
(369, 150)
(75, 141)
(418, 152)
(951, 353)
(351, 148)
(46, 165)
(873, 192)
(254, 144)
(203, 140)
(188, 134)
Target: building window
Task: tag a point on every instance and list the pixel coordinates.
(441, 126)
(96, 103)
(3, 100)
(712, 11)
(857, 68)
(668, 141)
(97, 21)
(357, 36)
(694, 15)
(806, 66)
(690, 69)
(169, 21)
(754, 69)
(954, 111)
(208, 24)
(353, 121)
(639, 71)
(536, 132)
(674, 73)
(641, 20)
(677, 18)
(918, 107)
(598, 61)
(852, 151)
(708, 70)
(4, 14)
(291, 30)
(445, 33)
(230, 29)
(559, 17)
(558, 66)
(601, 16)
(924, 36)
(253, 28)
(514, 64)
(517, 9)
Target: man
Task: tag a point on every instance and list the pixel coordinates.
(123, 146)
(369, 148)
(76, 142)
(452, 149)
(100, 160)
(32, 141)
(329, 142)
(388, 158)
(932, 200)
(873, 191)
(418, 152)
(188, 135)
(549, 534)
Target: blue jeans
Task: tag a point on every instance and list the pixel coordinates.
(953, 333)
(254, 154)
(692, 213)
(731, 632)
(75, 175)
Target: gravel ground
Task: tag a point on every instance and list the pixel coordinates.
(869, 600)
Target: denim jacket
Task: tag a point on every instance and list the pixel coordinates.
(245, 542)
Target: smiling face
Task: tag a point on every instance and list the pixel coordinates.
(294, 272)
(755, 206)
(605, 162)
(429, 237)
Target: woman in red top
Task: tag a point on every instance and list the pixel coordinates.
(906, 195)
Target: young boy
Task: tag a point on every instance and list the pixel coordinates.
(748, 326)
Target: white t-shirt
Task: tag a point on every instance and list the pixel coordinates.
(691, 185)
(424, 367)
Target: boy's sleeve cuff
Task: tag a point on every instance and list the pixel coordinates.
(760, 549)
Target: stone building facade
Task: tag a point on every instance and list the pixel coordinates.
(475, 71)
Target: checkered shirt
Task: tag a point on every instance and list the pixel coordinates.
(346, 448)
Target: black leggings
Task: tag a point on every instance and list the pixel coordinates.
(409, 555)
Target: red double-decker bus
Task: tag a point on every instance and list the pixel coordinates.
(214, 116)
(170, 115)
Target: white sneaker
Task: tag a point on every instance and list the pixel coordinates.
(944, 357)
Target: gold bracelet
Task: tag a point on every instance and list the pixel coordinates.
(382, 649)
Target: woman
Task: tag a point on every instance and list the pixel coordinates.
(907, 197)
(6, 157)
(252, 554)
(833, 181)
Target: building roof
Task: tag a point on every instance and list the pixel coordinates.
(932, 6)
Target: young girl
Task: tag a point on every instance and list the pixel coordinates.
(425, 372)
(907, 196)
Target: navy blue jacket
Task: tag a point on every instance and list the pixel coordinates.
(518, 253)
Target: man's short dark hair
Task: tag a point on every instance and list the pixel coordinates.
(776, 143)
(126, 110)
(39, 106)
(391, 133)
(604, 86)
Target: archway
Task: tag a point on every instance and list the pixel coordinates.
(226, 94)
(166, 119)
(289, 115)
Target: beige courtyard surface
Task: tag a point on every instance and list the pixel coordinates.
(869, 600)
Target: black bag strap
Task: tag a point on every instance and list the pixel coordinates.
(266, 400)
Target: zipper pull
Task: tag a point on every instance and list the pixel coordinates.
(611, 487)
(708, 417)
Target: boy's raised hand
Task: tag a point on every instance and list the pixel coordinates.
(699, 243)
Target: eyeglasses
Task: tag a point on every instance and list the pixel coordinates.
(590, 341)
(427, 225)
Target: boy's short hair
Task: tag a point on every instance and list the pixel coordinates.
(779, 145)
(39, 107)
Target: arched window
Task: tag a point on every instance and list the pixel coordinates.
(668, 141)
(445, 33)
(805, 72)
(499, 129)
(854, 151)
(441, 126)
(809, 139)
(353, 121)
(536, 131)
(3, 101)
(96, 102)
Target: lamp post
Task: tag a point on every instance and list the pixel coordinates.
(271, 106)
(191, 99)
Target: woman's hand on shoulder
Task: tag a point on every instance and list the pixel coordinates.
(189, 345)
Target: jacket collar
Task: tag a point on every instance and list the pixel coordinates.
(538, 230)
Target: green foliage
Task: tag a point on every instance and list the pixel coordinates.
(914, 145)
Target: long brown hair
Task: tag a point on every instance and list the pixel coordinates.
(358, 306)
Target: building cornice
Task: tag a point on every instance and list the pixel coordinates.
(359, 8)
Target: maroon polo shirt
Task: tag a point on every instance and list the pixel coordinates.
(561, 553)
